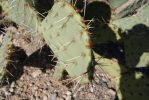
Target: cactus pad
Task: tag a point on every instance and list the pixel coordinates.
(21, 13)
(5, 52)
(65, 33)
(127, 23)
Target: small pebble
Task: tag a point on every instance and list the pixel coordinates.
(12, 85)
(64, 96)
(111, 92)
(48, 83)
(68, 98)
(91, 89)
(11, 90)
(45, 98)
(104, 79)
(53, 97)
(68, 93)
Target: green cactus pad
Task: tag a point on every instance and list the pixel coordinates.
(5, 52)
(65, 33)
(21, 13)
(128, 22)
(109, 66)
(123, 8)
(116, 3)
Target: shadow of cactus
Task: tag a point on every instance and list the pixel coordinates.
(15, 66)
(42, 58)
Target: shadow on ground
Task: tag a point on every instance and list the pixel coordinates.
(19, 59)
(42, 58)
(14, 68)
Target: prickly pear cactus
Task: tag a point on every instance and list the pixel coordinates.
(5, 52)
(66, 34)
(70, 45)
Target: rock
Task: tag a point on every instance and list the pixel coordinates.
(111, 92)
(90, 96)
(64, 96)
(60, 98)
(68, 93)
(104, 79)
(45, 98)
(68, 98)
(48, 83)
(12, 85)
(35, 88)
(91, 88)
(5, 91)
(36, 73)
(53, 97)
(11, 90)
